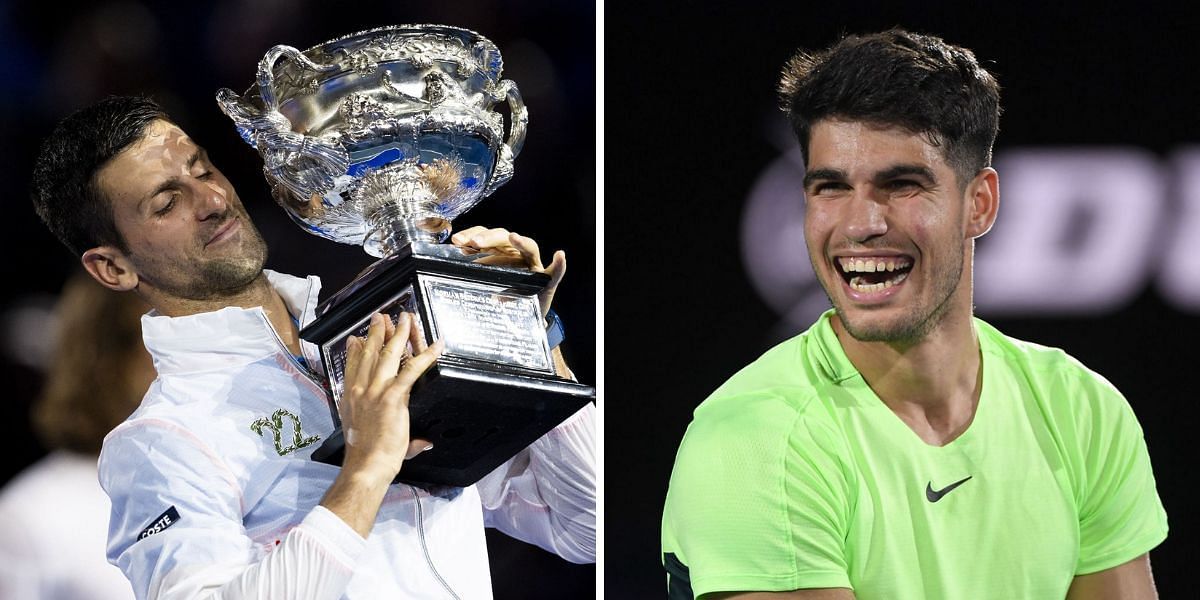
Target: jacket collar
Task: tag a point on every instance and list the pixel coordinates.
(229, 337)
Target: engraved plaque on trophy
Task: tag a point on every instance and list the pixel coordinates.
(380, 139)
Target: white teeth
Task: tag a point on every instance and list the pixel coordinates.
(871, 265)
(868, 288)
(859, 285)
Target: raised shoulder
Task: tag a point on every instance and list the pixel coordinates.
(1069, 389)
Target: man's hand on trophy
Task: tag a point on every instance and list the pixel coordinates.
(380, 372)
(510, 249)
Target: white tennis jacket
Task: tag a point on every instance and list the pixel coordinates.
(214, 496)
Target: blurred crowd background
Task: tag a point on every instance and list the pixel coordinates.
(57, 57)
(705, 261)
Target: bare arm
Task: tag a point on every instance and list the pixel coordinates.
(814, 594)
(1128, 581)
(375, 418)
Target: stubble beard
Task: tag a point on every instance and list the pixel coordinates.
(225, 277)
(214, 278)
(917, 323)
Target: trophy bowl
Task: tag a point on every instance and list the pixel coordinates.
(380, 139)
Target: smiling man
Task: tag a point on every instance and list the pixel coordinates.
(901, 448)
(214, 493)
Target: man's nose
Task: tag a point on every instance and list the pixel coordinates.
(211, 201)
(866, 216)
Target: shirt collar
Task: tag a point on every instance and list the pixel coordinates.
(831, 358)
(227, 337)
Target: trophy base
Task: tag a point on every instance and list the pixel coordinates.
(475, 423)
(493, 391)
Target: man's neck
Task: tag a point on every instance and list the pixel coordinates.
(258, 293)
(933, 384)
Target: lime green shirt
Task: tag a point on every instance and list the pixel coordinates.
(794, 475)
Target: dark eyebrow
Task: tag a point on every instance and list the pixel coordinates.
(830, 174)
(905, 170)
(885, 175)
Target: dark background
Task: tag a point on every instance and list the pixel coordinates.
(56, 57)
(691, 123)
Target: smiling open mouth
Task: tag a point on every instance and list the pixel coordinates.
(874, 274)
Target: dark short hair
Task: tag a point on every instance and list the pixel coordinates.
(898, 78)
(65, 191)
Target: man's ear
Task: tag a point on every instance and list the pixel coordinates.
(111, 268)
(983, 202)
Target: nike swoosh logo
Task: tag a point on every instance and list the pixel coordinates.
(933, 495)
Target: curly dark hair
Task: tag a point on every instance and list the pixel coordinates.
(65, 192)
(898, 78)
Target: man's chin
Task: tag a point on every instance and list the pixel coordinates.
(881, 328)
(227, 278)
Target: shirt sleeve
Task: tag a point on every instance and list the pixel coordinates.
(546, 495)
(1120, 514)
(176, 526)
(759, 500)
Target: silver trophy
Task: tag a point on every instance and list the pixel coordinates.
(380, 139)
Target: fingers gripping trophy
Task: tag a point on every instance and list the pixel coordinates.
(381, 138)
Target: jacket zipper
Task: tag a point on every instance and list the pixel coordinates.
(425, 547)
(416, 495)
(295, 363)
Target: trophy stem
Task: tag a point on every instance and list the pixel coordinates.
(394, 235)
(400, 204)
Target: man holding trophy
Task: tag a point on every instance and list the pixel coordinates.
(262, 461)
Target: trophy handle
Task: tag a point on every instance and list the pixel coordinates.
(303, 164)
(249, 119)
(519, 119)
(266, 72)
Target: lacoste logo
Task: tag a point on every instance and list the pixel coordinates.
(933, 495)
(161, 522)
(275, 424)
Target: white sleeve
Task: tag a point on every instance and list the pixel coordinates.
(546, 495)
(176, 526)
